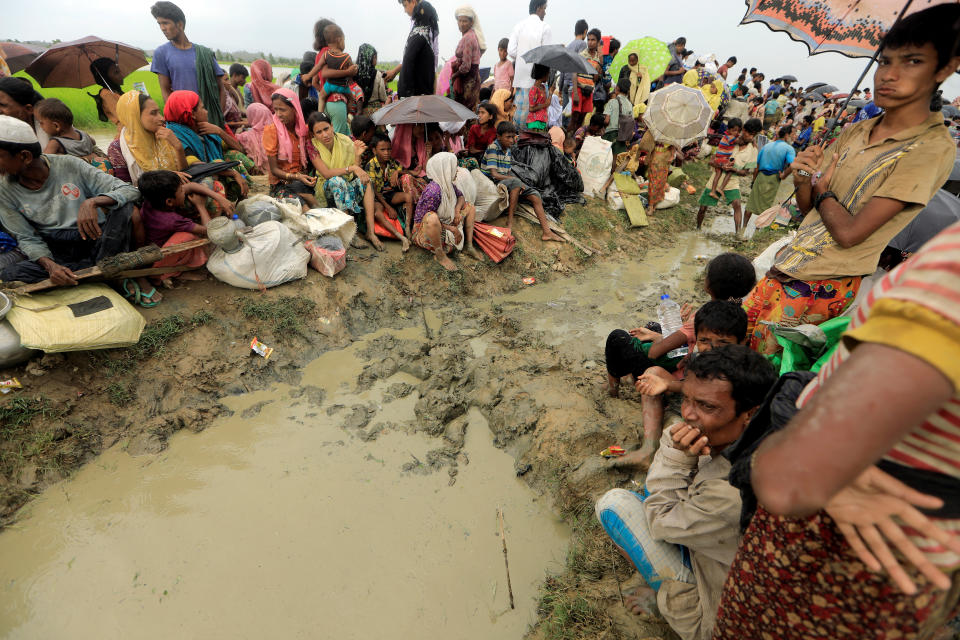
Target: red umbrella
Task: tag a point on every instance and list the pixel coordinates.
(18, 55)
(850, 27)
(68, 64)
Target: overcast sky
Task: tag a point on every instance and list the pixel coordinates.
(710, 26)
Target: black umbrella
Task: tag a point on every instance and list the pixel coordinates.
(951, 111)
(789, 78)
(558, 58)
(816, 85)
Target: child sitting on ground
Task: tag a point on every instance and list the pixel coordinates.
(717, 324)
(539, 100)
(723, 157)
(385, 173)
(497, 161)
(163, 195)
(56, 120)
(336, 59)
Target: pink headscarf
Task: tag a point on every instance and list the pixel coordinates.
(285, 151)
(260, 86)
(557, 136)
(403, 144)
(258, 116)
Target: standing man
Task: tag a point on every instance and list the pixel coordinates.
(726, 66)
(578, 44)
(181, 65)
(584, 83)
(528, 34)
(675, 70)
(773, 165)
(682, 534)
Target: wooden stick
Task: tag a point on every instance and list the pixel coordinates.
(92, 272)
(506, 562)
(560, 231)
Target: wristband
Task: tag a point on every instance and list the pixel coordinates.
(823, 196)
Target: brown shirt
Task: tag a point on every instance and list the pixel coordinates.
(909, 166)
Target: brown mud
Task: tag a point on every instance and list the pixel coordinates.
(462, 352)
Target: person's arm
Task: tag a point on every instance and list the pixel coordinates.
(200, 190)
(165, 86)
(512, 44)
(54, 147)
(673, 341)
(327, 73)
(845, 428)
(681, 510)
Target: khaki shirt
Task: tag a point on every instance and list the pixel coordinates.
(909, 166)
(692, 503)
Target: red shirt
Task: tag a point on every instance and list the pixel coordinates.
(477, 138)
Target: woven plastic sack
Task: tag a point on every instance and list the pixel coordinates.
(595, 163)
(259, 208)
(81, 318)
(271, 255)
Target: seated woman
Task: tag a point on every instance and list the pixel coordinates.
(345, 184)
(411, 149)
(143, 144)
(443, 216)
(108, 75)
(258, 117)
(285, 143)
(204, 141)
(502, 99)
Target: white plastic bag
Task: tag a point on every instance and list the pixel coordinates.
(491, 200)
(595, 163)
(671, 198)
(614, 201)
(763, 262)
(322, 222)
(271, 255)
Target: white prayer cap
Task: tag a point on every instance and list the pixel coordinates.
(16, 131)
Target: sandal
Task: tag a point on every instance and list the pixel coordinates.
(141, 299)
(132, 296)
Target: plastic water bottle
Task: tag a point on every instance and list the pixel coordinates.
(237, 223)
(669, 315)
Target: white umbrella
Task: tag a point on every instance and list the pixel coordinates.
(678, 115)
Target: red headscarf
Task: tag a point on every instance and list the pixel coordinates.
(285, 151)
(179, 108)
(260, 86)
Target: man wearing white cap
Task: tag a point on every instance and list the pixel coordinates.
(54, 206)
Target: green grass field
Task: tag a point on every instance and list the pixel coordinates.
(85, 109)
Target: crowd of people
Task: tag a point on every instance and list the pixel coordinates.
(770, 508)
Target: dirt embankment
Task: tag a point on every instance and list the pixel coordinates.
(530, 358)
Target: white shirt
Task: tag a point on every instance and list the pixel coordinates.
(528, 34)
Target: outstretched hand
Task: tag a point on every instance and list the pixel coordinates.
(864, 512)
(651, 385)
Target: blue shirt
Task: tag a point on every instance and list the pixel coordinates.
(775, 156)
(496, 159)
(180, 65)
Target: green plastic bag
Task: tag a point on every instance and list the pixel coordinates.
(677, 177)
(795, 357)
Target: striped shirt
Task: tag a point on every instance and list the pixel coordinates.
(496, 159)
(916, 308)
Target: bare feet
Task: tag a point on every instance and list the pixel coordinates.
(643, 601)
(193, 276)
(715, 194)
(375, 241)
(639, 459)
(445, 262)
(473, 253)
(404, 245)
(613, 386)
(550, 236)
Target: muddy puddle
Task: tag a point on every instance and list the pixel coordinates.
(324, 509)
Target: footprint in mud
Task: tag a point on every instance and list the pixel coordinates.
(397, 390)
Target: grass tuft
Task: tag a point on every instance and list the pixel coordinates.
(284, 316)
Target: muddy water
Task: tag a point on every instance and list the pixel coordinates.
(280, 522)
(282, 525)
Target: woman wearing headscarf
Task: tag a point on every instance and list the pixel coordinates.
(443, 219)
(17, 99)
(108, 75)
(143, 144)
(465, 79)
(370, 80)
(204, 141)
(261, 87)
(285, 143)
(502, 99)
(258, 117)
(418, 69)
(345, 185)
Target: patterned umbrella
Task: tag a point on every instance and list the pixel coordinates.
(18, 55)
(678, 115)
(850, 27)
(652, 53)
